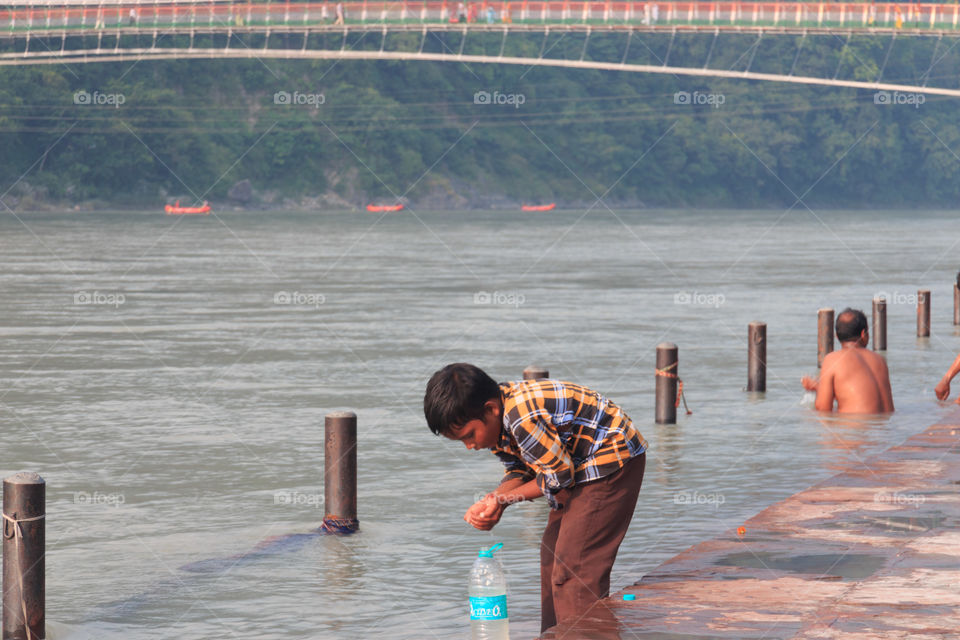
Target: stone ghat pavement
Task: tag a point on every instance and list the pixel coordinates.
(870, 554)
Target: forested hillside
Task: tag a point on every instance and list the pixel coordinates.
(336, 135)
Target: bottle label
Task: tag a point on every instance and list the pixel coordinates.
(488, 608)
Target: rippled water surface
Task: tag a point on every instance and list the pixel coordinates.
(154, 374)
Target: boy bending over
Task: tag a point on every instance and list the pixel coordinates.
(559, 440)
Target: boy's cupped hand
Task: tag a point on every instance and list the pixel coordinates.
(485, 513)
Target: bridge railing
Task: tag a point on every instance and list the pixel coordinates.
(187, 13)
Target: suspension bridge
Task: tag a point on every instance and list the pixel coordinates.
(84, 31)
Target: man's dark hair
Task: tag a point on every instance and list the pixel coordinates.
(456, 394)
(850, 324)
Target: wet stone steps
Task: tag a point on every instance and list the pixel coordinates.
(870, 554)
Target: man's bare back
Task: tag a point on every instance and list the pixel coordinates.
(855, 377)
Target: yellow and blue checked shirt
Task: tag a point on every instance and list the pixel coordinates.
(562, 434)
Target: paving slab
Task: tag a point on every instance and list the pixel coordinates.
(870, 554)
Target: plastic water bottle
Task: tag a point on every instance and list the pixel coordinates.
(488, 598)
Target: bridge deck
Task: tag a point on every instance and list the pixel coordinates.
(50, 33)
(37, 17)
(516, 27)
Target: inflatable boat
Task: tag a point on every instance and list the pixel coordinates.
(176, 210)
(376, 208)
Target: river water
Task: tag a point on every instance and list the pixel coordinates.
(169, 377)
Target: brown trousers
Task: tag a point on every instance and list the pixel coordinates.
(581, 541)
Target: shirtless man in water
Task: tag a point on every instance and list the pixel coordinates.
(855, 376)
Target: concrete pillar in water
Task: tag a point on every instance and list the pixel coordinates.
(879, 324)
(535, 373)
(24, 538)
(340, 472)
(757, 356)
(666, 383)
(923, 313)
(824, 334)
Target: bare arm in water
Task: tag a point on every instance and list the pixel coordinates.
(824, 387)
(943, 387)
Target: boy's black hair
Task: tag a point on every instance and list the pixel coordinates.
(850, 324)
(456, 394)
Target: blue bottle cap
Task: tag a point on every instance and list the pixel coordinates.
(488, 553)
(629, 596)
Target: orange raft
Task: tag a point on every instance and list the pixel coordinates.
(539, 207)
(376, 208)
(176, 210)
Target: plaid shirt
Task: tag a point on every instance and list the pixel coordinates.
(562, 434)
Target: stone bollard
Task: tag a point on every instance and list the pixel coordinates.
(24, 539)
(923, 313)
(340, 473)
(666, 383)
(824, 334)
(535, 373)
(879, 324)
(956, 305)
(757, 356)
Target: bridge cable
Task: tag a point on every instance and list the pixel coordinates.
(673, 34)
(546, 34)
(716, 32)
(803, 39)
(893, 38)
(933, 61)
(843, 50)
(756, 45)
(627, 48)
(583, 52)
